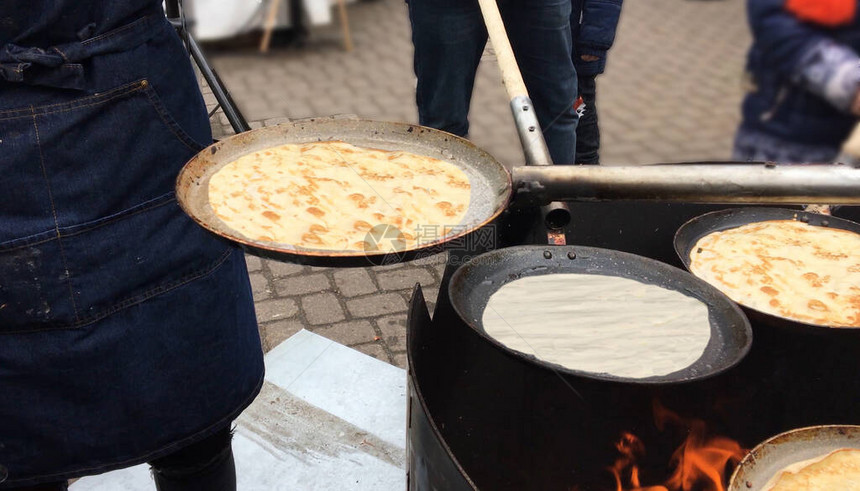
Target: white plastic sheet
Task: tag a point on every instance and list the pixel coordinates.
(328, 418)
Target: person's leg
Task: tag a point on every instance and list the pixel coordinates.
(51, 486)
(449, 37)
(540, 35)
(587, 131)
(203, 466)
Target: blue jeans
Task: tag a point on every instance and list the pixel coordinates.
(449, 37)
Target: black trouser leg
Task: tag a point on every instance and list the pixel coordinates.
(51, 486)
(203, 466)
(588, 132)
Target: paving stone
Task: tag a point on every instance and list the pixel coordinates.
(400, 360)
(353, 281)
(439, 269)
(282, 268)
(254, 263)
(274, 333)
(430, 297)
(393, 330)
(376, 304)
(348, 333)
(432, 259)
(276, 121)
(275, 309)
(322, 308)
(260, 286)
(388, 267)
(404, 278)
(301, 284)
(373, 349)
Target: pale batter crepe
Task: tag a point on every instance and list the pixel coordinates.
(599, 324)
(786, 268)
(836, 471)
(336, 196)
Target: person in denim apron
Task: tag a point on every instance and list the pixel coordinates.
(127, 332)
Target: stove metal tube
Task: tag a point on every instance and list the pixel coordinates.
(556, 214)
(694, 183)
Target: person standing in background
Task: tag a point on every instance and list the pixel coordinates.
(127, 332)
(592, 24)
(449, 38)
(804, 71)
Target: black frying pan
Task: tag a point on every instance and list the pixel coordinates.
(689, 234)
(473, 283)
(490, 181)
(782, 450)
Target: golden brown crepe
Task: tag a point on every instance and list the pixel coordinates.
(836, 471)
(786, 268)
(336, 196)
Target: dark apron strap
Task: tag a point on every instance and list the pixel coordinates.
(60, 66)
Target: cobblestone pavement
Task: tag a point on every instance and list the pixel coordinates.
(671, 93)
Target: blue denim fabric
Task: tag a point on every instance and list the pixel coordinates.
(126, 331)
(46, 23)
(449, 37)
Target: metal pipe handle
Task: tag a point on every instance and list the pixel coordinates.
(697, 183)
(555, 215)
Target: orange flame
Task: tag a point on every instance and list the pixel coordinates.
(700, 462)
(631, 448)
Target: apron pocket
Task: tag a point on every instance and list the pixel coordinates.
(98, 268)
(137, 256)
(34, 288)
(97, 227)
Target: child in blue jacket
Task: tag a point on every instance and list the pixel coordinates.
(805, 74)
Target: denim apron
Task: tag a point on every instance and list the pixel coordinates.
(126, 331)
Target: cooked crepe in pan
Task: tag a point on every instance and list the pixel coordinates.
(336, 196)
(838, 470)
(786, 268)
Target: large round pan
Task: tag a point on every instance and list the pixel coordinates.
(490, 182)
(788, 448)
(473, 283)
(689, 234)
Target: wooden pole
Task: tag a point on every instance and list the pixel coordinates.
(511, 76)
(344, 25)
(269, 25)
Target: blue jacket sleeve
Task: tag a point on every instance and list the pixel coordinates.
(803, 53)
(599, 21)
(596, 33)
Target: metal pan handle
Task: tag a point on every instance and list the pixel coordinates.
(556, 215)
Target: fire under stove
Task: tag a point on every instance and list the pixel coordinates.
(483, 418)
